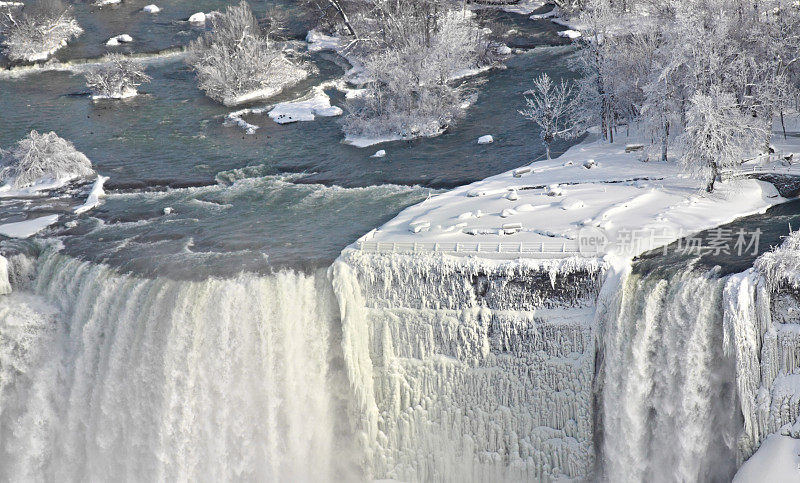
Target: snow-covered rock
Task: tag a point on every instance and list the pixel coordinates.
(119, 39)
(198, 18)
(379, 154)
(487, 139)
(503, 49)
(151, 9)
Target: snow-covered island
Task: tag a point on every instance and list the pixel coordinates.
(410, 78)
(36, 31)
(117, 78)
(237, 63)
(42, 163)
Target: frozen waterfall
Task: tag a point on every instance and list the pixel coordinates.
(467, 369)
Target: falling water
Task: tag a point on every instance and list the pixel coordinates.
(112, 377)
(668, 402)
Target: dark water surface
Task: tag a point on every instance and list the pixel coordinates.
(190, 197)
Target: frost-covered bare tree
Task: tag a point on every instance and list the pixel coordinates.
(413, 52)
(551, 106)
(38, 30)
(117, 78)
(236, 62)
(40, 157)
(718, 135)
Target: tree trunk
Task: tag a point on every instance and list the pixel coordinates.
(714, 174)
(547, 150)
(665, 142)
(783, 125)
(335, 4)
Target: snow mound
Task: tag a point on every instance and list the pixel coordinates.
(304, 110)
(379, 154)
(42, 160)
(487, 139)
(198, 18)
(119, 39)
(151, 9)
(571, 204)
(569, 34)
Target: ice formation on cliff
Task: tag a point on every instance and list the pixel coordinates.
(466, 369)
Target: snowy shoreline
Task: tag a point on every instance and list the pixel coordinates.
(595, 188)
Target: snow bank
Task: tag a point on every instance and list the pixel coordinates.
(252, 96)
(379, 154)
(777, 461)
(126, 93)
(151, 9)
(617, 195)
(487, 139)
(27, 228)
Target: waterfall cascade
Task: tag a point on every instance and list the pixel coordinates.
(106, 376)
(407, 367)
(668, 406)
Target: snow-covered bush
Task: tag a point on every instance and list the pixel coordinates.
(41, 28)
(236, 62)
(40, 157)
(551, 106)
(116, 79)
(416, 52)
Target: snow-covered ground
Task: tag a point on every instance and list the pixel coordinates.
(596, 192)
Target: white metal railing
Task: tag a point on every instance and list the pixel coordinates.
(522, 249)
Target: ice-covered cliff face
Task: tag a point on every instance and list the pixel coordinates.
(111, 377)
(469, 370)
(762, 320)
